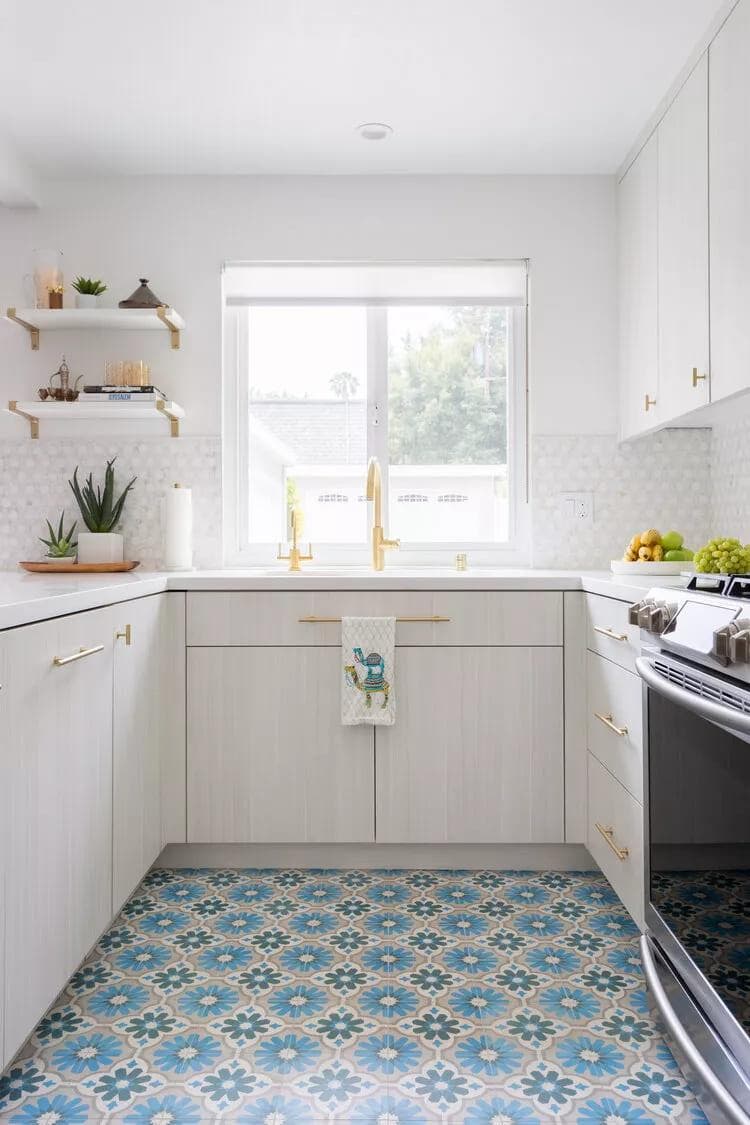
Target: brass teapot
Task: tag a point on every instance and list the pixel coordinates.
(64, 392)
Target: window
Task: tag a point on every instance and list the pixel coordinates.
(421, 366)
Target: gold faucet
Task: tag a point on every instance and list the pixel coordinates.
(375, 493)
(295, 556)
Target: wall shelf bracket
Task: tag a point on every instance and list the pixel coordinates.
(30, 418)
(174, 333)
(32, 330)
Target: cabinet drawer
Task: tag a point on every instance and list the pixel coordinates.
(516, 617)
(616, 826)
(615, 721)
(608, 631)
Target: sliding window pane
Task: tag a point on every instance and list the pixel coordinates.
(448, 423)
(308, 422)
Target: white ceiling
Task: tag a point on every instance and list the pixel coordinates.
(93, 87)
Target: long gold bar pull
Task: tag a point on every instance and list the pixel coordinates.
(608, 834)
(61, 661)
(313, 620)
(607, 720)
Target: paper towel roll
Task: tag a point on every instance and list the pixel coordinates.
(178, 529)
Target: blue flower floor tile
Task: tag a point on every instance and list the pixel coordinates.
(356, 997)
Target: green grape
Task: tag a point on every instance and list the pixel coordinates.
(723, 556)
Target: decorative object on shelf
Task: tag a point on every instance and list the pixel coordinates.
(79, 567)
(55, 297)
(64, 392)
(101, 513)
(47, 278)
(178, 529)
(142, 298)
(60, 544)
(127, 373)
(87, 292)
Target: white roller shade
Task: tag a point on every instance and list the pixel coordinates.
(381, 283)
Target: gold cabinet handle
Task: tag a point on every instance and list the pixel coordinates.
(608, 834)
(606, 632)
(313, 620)
(648, 402)
(607, 720)
(126, 635)
(61, 661)
(696, 377)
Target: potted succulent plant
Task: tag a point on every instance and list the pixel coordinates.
(60, 545)
(87, 292)
(101, 513)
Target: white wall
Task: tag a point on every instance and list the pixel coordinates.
(177, 232)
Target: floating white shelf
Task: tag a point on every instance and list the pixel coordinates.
(55, 320)
(98, 412)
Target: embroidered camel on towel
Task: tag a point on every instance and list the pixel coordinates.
(374, 681)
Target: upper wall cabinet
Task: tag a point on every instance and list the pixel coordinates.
(683, 249)
(729, 140)
(638, 281)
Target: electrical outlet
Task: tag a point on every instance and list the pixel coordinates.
(577, 507)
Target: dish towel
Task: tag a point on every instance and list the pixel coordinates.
(368, 646)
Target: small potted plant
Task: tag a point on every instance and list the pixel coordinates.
(60, 545)
(87, 292)
(101, 513)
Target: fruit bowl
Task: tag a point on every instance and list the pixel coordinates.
(618, 566)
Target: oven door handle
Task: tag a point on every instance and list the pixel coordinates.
(690, 1052)
(714, 712)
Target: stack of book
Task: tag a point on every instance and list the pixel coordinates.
(104, 393)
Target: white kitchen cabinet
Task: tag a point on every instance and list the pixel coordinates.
(58, 757)
(729, 191)
(140, 662)
(640, 408)
(683, 249)
(615, 721)
(615, 836)
(268, 759)
(476, 753)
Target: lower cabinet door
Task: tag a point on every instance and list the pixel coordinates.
(268, 758)
(58, 885)
(476, 752)
(139, 706)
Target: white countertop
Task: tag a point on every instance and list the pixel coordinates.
(25, 598)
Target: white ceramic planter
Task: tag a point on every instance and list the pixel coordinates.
(86, 301)
(99, 547)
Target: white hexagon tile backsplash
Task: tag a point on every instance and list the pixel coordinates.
(662, 480)
(34, 486)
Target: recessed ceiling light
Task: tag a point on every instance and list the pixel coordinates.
(374, 131)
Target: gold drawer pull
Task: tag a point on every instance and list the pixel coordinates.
(607, 720)
(60, 661)
(125, 635)
(608, 834)
(696, 377)
(607, 632)
(313, 620)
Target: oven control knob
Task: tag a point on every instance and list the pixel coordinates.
(660, 616)
(739, 644)
(640, 613)
(722, 642)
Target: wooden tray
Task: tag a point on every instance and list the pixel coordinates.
(78, 568)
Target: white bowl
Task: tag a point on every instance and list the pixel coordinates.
(618, 566)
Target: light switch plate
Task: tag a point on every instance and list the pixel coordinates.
(577, 508)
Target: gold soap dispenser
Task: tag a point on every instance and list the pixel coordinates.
(295, 556)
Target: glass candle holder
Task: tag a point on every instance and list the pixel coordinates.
(48, 278)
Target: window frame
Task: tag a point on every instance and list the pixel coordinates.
(240, 552)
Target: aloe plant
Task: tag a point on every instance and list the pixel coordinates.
(99, 509)
(89, 286)
(60, 544)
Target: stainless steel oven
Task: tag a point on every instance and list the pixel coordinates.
(695, 668)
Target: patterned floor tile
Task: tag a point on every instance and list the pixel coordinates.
(357, 997)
